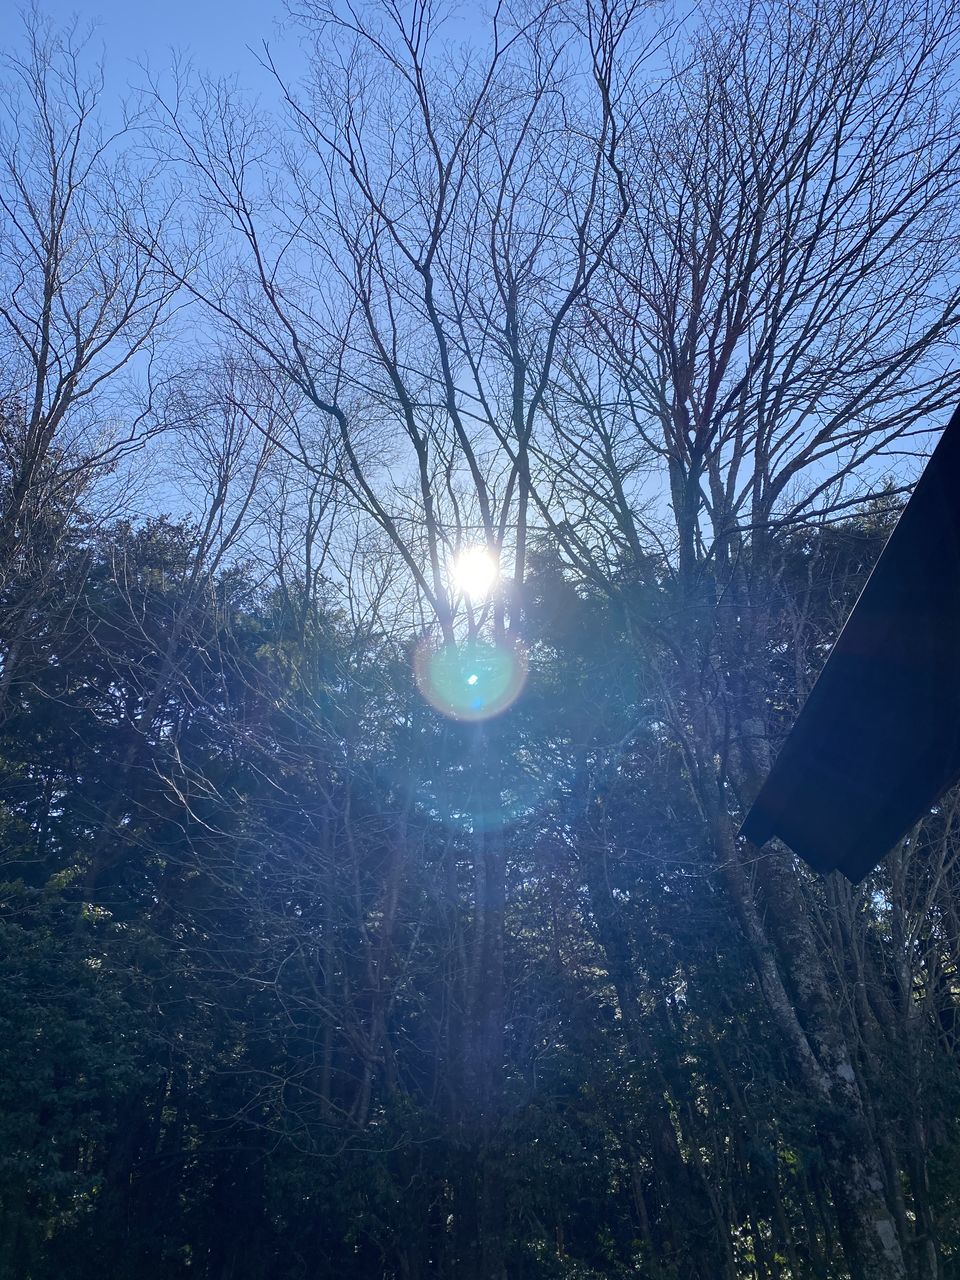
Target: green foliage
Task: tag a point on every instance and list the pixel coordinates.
(245, 1016)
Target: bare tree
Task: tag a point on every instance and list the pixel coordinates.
(415, 259)
(664, 324)
(225, 421)
(774, 321)
(83, 296)
(412, 264)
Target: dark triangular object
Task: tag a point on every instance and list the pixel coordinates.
(878, 739)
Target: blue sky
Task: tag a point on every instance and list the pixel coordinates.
(219, 36)
(215, 34)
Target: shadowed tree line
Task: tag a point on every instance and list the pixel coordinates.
(300, 974)
(253, 1037)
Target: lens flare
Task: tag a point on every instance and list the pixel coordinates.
(474, 572)
(472, 681)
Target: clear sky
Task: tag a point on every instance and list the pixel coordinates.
(219, 36)
(214, 34)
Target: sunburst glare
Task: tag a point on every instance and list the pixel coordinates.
(474, 572)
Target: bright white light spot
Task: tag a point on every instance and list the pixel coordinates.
(472, 679)
(474, 572)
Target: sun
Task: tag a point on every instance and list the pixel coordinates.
(474, 572)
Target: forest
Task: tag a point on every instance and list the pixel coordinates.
(429, 489)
